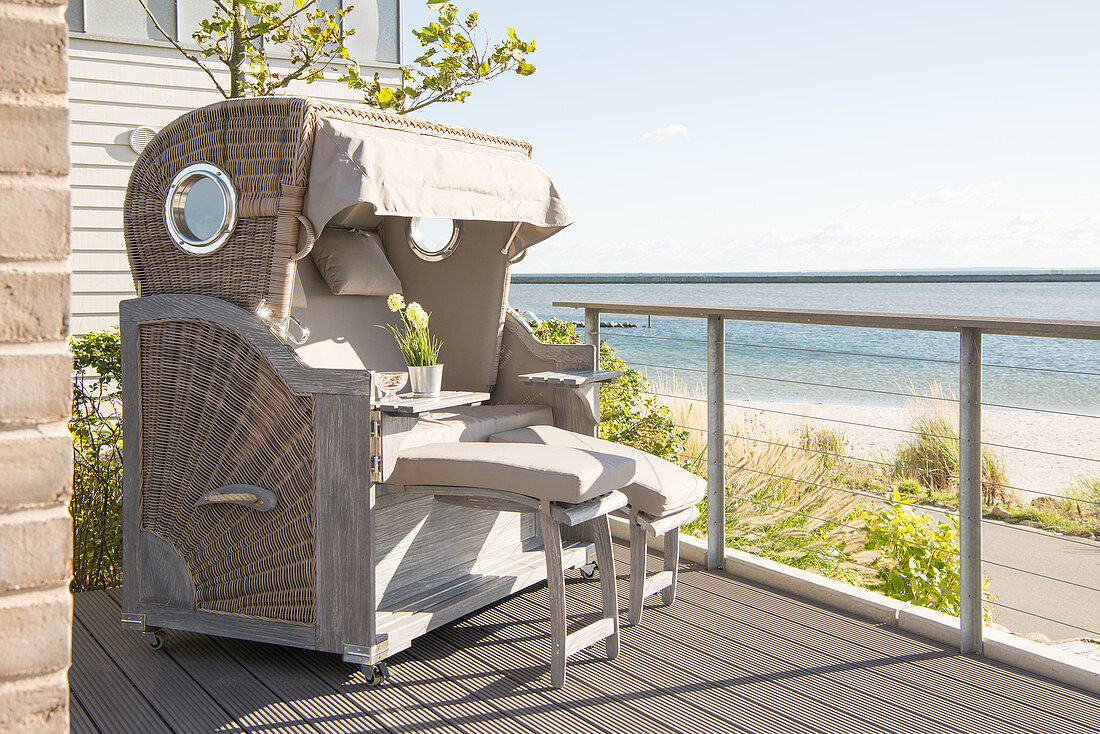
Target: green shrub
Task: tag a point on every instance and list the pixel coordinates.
(919, 560)
(932, 458)
(629, 414)
(96, 427)
(556, 331)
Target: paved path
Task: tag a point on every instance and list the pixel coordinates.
(1039, 555)
(1029, 568)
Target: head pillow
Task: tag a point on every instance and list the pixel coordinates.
(353, 264)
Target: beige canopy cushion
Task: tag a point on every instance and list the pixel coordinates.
(474, 423)
(353, 264)
(659, 487)
(547, 473)
(410, 174)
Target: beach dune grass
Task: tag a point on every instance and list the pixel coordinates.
(930, 455)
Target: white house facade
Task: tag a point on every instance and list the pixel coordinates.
(123, 75)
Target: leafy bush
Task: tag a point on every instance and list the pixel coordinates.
(919, 560)
(96, 427)
(629, 413)
(556, 331)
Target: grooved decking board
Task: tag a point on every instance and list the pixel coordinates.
(79, 721)
(448, 698)
(168, 689)
(312, 699)
(729, 656)
(642, 670)
(112, 701)
(953, 679)
(519, 691)
(236, 690)
(393, 705)
(860, 671)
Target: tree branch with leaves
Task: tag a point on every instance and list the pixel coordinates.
(455, 58)
(241, 33)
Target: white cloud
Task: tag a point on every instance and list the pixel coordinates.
(950, 196)
(1026, 219)
(662, 134)
(842, 245)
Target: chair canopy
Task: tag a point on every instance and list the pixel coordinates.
(406, 174)
(298, 164)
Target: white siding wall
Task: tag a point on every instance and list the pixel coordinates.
(114, 87)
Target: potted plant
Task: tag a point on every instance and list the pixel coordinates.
(419, 348)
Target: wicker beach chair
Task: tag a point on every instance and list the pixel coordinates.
(269, 494)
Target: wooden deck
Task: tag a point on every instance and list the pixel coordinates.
(728, 656)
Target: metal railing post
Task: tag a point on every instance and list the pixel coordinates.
(970, 490)
(592, 331)
(592, 393)
(716, 441)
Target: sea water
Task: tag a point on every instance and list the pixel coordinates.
(769, 362)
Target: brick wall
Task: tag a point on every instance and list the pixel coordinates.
(35, 452)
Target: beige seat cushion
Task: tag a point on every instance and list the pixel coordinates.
(547, 473)
(474, 423)
(659, 487)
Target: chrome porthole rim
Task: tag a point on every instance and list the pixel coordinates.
(412, 231)
(173, 209)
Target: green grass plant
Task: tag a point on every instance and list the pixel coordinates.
(930, 456)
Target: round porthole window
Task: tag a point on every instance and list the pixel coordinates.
(433, 238)
(200, 209)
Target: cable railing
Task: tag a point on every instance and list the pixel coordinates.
(737, 486)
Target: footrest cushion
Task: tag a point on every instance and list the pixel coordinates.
(547, 473)
(659, 487)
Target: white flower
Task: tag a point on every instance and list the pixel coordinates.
(396, 302)
(417, 316)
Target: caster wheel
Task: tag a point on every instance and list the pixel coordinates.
(155, 638)
(588, 570)
(376, 674)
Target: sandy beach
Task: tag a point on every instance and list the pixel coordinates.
(1028, 470)
(874, 432)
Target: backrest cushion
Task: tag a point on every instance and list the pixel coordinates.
(353, 264)
(344, 330)
(465, 294)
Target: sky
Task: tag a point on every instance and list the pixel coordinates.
(773, 135)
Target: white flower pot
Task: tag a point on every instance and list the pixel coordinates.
(426, 381)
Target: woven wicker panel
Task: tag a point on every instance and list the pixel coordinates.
(258, 143)
(215, 413)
